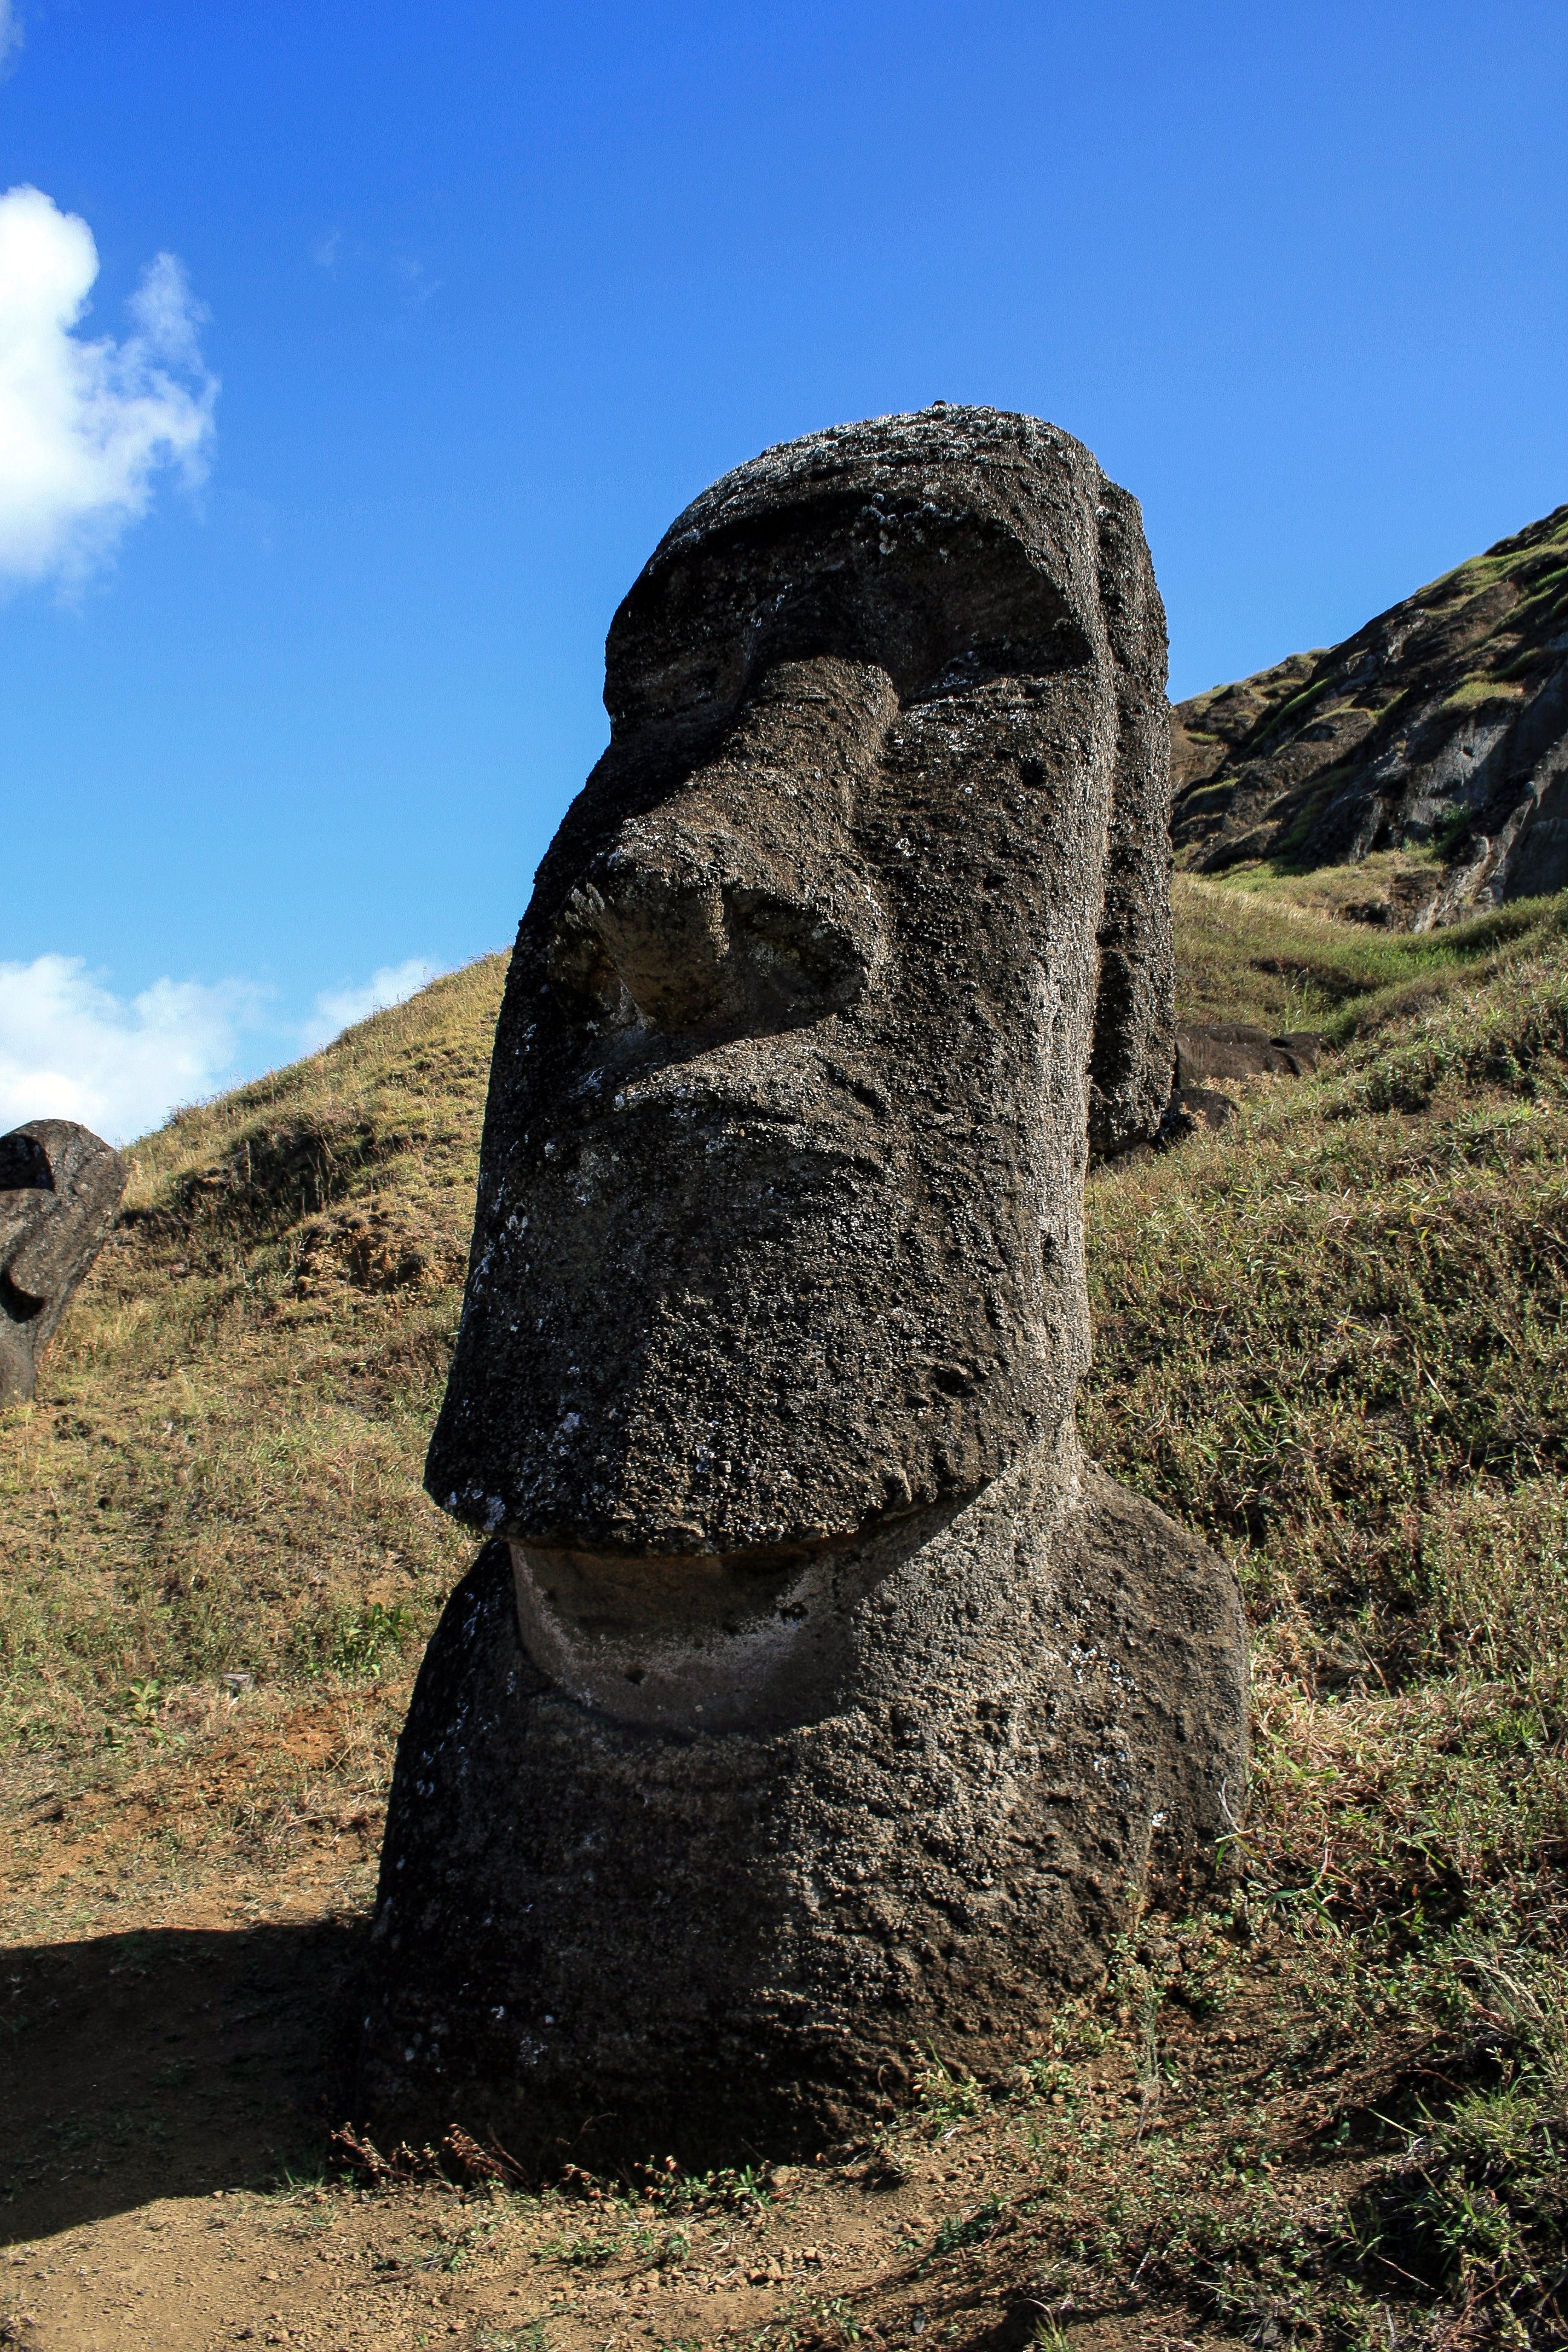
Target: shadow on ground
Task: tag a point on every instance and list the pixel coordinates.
(167, 2063)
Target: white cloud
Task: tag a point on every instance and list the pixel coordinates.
(418, 286)
(327, 248)
(70, 1049)
(86, 426)
(338, 1009)
(10, 34)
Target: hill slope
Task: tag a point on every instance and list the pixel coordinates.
(1435, 739)
(1323, 2109)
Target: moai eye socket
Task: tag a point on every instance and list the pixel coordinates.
(25, 1164)
(19, 1304)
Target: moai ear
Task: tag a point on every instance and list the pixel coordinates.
(1134, 1023)
(59, 1188)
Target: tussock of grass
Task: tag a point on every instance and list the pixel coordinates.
(1334, 1337)
(1270, 947)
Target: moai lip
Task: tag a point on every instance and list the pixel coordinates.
(59, 1188)
(813, 1698)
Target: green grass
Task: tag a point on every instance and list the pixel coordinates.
(1334, 1337)
(1270, 946)
(1487, 688)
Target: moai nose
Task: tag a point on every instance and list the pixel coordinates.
(640, 943)
(660, 936)
(742, 899)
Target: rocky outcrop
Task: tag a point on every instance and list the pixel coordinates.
(1441, 728)
(59, 1188)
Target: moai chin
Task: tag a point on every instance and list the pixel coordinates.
(814, 1703)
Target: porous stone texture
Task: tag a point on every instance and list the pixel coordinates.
(594, 1937)
(856, 939)
(811, 1701)
(59, 1189)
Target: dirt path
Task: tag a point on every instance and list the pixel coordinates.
(174, 2023)
(172, 2085)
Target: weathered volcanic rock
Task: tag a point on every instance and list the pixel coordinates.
(856, 940)
(59, 1188)
(594, 1938)
(1443, 724)
(818, 1698)
(1233, 1050)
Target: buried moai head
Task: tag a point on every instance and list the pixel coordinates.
(59, 1188)
(853, 947)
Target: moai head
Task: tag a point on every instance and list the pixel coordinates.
(854, 945)
(59, 1188)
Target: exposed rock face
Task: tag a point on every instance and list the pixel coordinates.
(819, 1697)
(1443, 724)
(59, 1188)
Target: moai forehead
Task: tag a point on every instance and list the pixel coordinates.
(853, 943)
(59, 1188)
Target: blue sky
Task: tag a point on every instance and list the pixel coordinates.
(467, 301)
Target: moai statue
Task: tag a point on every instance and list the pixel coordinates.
(814, 1704)
(59, 1188)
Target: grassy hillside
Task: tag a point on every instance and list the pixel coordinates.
(220, 1477)
(1269, 949)
(1330, 2105)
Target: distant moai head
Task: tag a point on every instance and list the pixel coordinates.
(59, 1189)
(854, 945)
